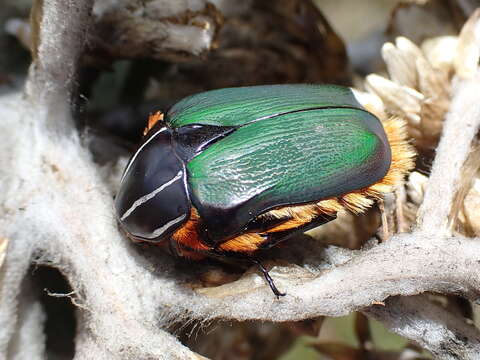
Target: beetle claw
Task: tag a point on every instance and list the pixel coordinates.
(269, 280)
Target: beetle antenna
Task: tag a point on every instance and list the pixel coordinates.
(269, 279)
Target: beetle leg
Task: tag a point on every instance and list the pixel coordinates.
(269, 279)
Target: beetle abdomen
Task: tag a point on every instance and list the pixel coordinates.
(293, 158)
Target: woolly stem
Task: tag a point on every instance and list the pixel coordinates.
(460, 128)
(445, 335)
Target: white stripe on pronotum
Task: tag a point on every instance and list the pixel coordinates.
(162, 229)
(138, 151)
(143, 199)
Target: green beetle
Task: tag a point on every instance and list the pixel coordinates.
(234, 170)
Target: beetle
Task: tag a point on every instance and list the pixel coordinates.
(231, 171)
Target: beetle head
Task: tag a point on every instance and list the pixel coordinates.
(153, 201)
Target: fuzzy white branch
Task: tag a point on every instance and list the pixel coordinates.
(406, 265)
(445, 335)
(28, 340)
(461, 126)
(11, 303)
(59, 33)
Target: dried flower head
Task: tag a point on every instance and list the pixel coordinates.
(420, 79)
(418, 90)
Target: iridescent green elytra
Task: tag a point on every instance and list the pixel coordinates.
(234, 154)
